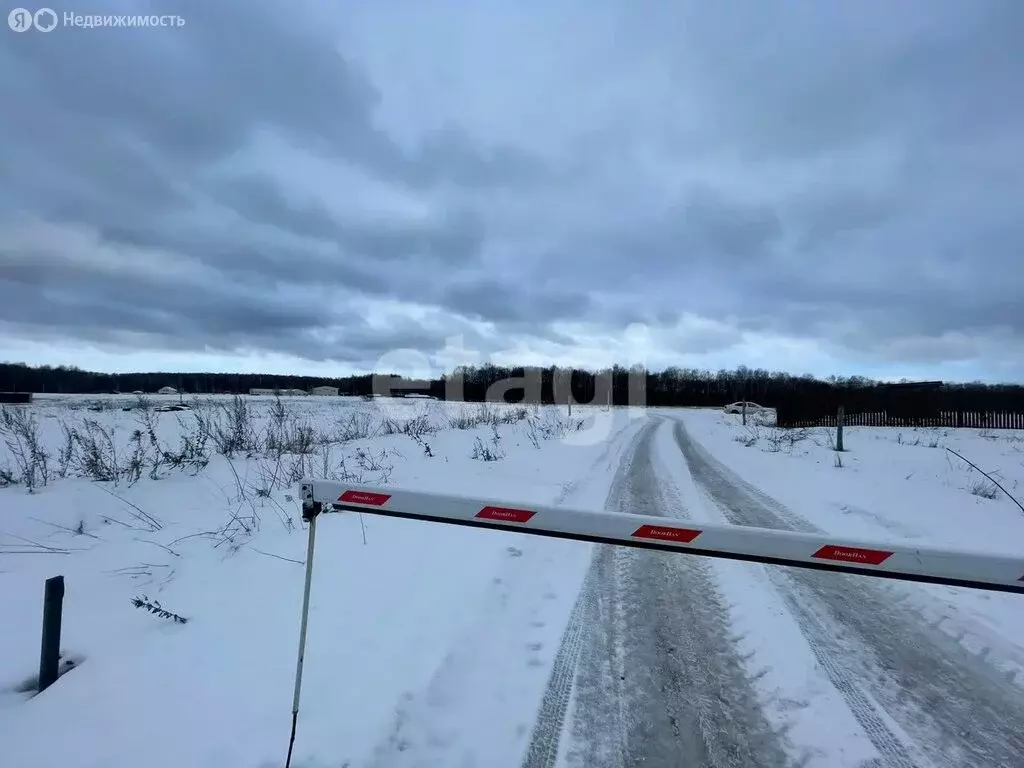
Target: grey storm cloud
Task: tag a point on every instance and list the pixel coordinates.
(848, 172)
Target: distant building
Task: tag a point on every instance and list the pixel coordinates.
(262, 391)
(277, 392)
(167, 391)
(332, 391)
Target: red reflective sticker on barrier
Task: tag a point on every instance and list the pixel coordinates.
(665, 533)
(365, 497)
(505, 514)
(853, 554)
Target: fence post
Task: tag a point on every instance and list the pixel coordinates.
(839, 427)
(49, 656)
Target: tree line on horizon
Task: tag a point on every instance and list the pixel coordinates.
(617, 385)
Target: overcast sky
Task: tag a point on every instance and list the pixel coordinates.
(315, 186)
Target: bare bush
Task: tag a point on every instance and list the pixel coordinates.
(513, 415)
(533, 432)
(298, 438)
(984, 489)
(192, 453)
(371, 462)
(464, 420)
(287, 434)
(232, 429)
(93, 452)
(20, 432)
(363, 462)
(486, 414)
(417, 427)
(325, 463)
(750, 437)
(358, 426)
(788, 438)
(343, 473)
(136, 460)
(297, 466)
(90, 449)
(552, 425)
(485, 452)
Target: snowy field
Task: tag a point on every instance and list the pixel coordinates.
(429, 645)
(221, 544)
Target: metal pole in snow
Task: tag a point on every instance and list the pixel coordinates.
(49, 656)
(302, 632)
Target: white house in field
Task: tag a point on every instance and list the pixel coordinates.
(332, 391)
(167, 391)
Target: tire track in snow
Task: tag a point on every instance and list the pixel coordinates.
(660, 682)
(545, 740)
(957, 709)
(547, 732)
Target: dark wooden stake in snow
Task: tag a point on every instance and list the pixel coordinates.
(49, 657)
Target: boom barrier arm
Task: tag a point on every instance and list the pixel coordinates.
(801, 550)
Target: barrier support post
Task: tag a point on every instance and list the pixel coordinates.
(310, 510)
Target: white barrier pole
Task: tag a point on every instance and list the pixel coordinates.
(310, 512)
(976, 570)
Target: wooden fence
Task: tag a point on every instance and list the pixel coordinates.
(948, 419)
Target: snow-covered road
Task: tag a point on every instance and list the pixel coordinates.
(672, 672)
(658, 674)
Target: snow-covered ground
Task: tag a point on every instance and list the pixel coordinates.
(429, 645)
(222, 545)
(899, 485)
